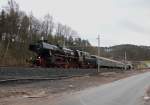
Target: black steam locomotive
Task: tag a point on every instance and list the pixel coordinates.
(56, 56)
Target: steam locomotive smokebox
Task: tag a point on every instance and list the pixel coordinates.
(32, 47)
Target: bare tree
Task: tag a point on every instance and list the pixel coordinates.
(59, 29)
(47, 26)
(13, 22)
(2, 24)
(24, 26)
(34, 28)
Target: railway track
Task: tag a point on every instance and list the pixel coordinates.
(24, 80)
(24, 74)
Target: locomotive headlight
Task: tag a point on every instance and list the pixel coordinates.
(39, 57)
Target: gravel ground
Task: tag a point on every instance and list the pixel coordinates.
(28, 93)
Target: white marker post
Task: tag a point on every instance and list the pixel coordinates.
(98, 52)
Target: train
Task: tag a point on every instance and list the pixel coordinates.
(55, 56)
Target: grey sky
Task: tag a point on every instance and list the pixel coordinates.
(118, 21)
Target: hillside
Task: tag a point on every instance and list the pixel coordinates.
(133, 52)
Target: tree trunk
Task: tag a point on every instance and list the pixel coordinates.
(6, 49)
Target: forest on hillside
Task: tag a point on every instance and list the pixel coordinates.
(18, 30)
(133, 52)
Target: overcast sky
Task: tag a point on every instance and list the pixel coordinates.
(117, 21)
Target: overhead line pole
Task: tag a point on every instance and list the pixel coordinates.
(98, 52)
(125, 60)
